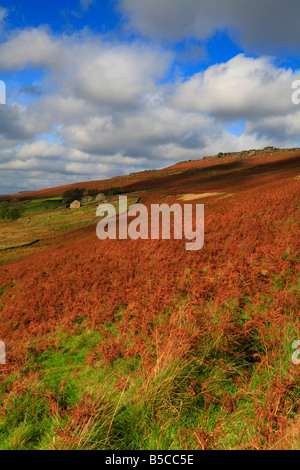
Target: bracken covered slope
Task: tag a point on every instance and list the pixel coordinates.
(199, 340)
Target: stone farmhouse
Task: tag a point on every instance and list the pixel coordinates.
(100, 197)
(75, 204)
(86, 199)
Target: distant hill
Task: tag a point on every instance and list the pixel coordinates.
(137, 181)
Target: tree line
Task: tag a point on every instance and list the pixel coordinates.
(77, 193)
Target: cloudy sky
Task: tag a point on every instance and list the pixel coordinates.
(99, 88)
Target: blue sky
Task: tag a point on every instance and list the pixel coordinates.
(109, 87)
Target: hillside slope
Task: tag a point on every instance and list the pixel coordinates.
(139, 344)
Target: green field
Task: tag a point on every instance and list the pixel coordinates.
(39, 205)
(41, 220)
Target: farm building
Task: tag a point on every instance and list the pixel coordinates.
(86, 199)
(75, 204)
(100, 197)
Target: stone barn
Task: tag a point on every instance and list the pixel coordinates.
(75, 204)
(100, 197)
(86, 199)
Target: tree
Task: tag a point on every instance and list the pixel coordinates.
(11, 210)
(72, 194)
(93, 192)
(4, 206)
